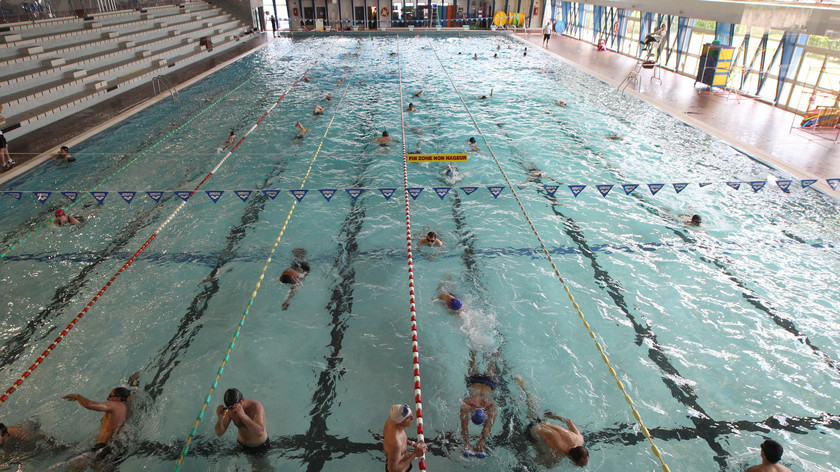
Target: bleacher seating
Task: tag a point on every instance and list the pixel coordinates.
(50, 69)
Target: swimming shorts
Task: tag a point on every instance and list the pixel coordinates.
(258, 450)
(406, 470)
(532, 424)
(547, 36)
(2, 141)
(302, 266)
(481, 379)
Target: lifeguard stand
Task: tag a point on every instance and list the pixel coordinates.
(634, 77)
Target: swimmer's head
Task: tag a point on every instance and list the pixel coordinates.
(120, 392)
(232, 132)
(400, 412)
(384, 134)
(479, 416)
(287, 279)
(4, 434)
(65, 148)
(431, 236)
(696, 220)
(772, 451)
(232, 397)
(454, 304)
(472, 140)
(59, 212)
(579, 455)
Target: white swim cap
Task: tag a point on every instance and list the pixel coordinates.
(400, 412)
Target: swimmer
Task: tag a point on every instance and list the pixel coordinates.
(693, 220)
(295, 274)
(327, 97)
(431, 239)
(451, 302)
(452, 174)
(63, 154)
(302, 130)
(62, 218)
(479, 405)
(230, 139)
(341, 81)
(411, 107)
(249, 418)
(306, 79)
(396, 442)
(393, 54)
(384, 140)
(771, 454)
(615, 137)
(419, 93)
(495, 56)
(116, 410)
(473, 144)
(484, 97)
(475, 56)
(560, 103)
(318, 110)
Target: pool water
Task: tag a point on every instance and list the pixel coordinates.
(723, 335)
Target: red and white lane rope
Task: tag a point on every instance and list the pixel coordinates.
(415, 349)
(131, 260)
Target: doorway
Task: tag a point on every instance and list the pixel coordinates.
(372, 18)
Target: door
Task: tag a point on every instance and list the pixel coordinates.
(372, 18)
(359, 16)
(309, 16)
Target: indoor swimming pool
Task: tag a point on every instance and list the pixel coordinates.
(723, 335)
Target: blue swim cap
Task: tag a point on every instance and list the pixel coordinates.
(479, 416)
(455, 304)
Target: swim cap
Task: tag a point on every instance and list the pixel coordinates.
(479, 416)
(59, 212)
(384, 133)
(472, 139)
(400, 412)
(772, 451)
(455, 304)
(65, 148)
(232, 397)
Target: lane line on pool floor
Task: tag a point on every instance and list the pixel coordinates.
(131, 260)
(415, 348)
(250, 304)
(654, 448)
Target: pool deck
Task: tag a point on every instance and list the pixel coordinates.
(756, 128)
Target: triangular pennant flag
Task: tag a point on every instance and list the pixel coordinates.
(299, 194)
(442, 191)
(128, 196)
(14, 194)
(183, 194)
(655, 188)
(628, 188)
(604, 189)
(469, 190)
(415, 192)
(155, 195)
(42, 196)
(327, 193)
(99, 196)
(215, 195)
(680, 186)
(243, 194)
(495, 191)
(354, 192)
(808, 182)
(551, 189)
(576, 189)
(735, 185)
(757, 185)
(387, 192)
(72, 196)
(272, 194)
(833, 183)
(784, 184)
(705, 184)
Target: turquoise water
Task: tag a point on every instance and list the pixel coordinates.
(722, 335)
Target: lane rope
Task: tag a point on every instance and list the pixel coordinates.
(144, 153)
(415, 349)
(131, 260)
(653, 447)
(207, 398)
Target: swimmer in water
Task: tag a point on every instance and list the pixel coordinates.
(615, 137)
(419, 93)
(63, 154)
(327, 97)
(411, 107)
(230, 139)
(560, 103)
(693, 220)
(62, 218)
(306, 79)
(341, 81)
(384, 140)
(473, 144)
(484, 97)
(302, 130)
(319, 110)
(295, 274)
(475, 56)
(431, 239)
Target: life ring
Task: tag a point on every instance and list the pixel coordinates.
(384, 12)
(500, 18)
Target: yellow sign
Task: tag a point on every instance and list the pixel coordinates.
(437, 158)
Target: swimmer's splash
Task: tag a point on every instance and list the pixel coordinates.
(437, 157)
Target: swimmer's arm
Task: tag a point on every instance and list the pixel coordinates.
(571, 426)
(89, 404)
(290, 295)
(465, 421)
(485, 431)
(222, 420)
(73, 220)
